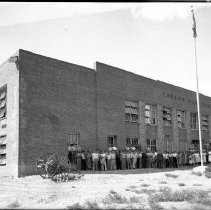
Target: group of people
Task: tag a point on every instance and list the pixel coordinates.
(132, 158)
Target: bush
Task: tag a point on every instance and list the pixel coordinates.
(114, 197)
(171, 175)
(181, 184)
(14, 204)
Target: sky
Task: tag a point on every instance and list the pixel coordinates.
(154, 40)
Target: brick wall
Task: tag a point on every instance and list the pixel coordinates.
(9, 75)
(56, 99)
(115, 85)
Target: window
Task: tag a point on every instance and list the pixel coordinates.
(73, 138)
(128, 141)
(132, 141)
(166, 116)
(112, 141)
(195, 143)
(2, 150)
(181, 119)
(169, 146)
(150, 113)
(151, 144)
(3, 159)
(131, 111)
(204, 122)
(193, 120)
(3, 102)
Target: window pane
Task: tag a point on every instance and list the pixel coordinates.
(2, 94)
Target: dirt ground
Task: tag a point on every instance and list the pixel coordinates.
(96, 190)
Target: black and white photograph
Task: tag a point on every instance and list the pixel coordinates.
(105, 105)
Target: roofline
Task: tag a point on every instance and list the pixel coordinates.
(55, 59)
(155, 81)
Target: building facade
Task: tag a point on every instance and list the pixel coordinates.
(46, 104)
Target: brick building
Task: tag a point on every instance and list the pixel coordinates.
(46, 103)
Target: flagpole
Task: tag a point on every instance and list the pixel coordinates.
(197, 84)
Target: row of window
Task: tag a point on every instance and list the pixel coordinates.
(151, 144)
(131, 115)
(3, 102)
(2, 150)
(3, 113)
(112, 142)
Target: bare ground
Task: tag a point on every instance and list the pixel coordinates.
(138, 189)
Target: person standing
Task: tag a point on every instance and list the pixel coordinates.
(159, 159)
(83, 160)
(209, 157)
(144, 159)
(78, 160)
(174, 157)
(149, 159)
(118, 160)
(134, 158)
(123, 159)
(128, 159)
(95, 159)
(70, 153)
(164, 159)
(88, 161)
(113, 160)
(170, 159)
(139, 159)
(103, 161)
(108, 158)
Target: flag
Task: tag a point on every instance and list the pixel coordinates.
(194, 25)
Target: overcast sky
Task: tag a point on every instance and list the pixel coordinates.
(150, 39)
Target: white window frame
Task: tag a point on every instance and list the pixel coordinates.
(73, 138)
(181, 119)
(167, 116)
(191, 120)
(131, 111)
(150, 114)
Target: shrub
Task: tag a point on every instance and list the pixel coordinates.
(92, 205)
(181, 184)
(171, 175)
(162, 182)
(114, 197)
(145, 185)
(207, 174)
(75, 206)
(14, 204)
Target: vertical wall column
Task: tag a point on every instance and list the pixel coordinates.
(209, 127)
(175, 130)
(142, 125)
(160, 131)
(188, 128)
